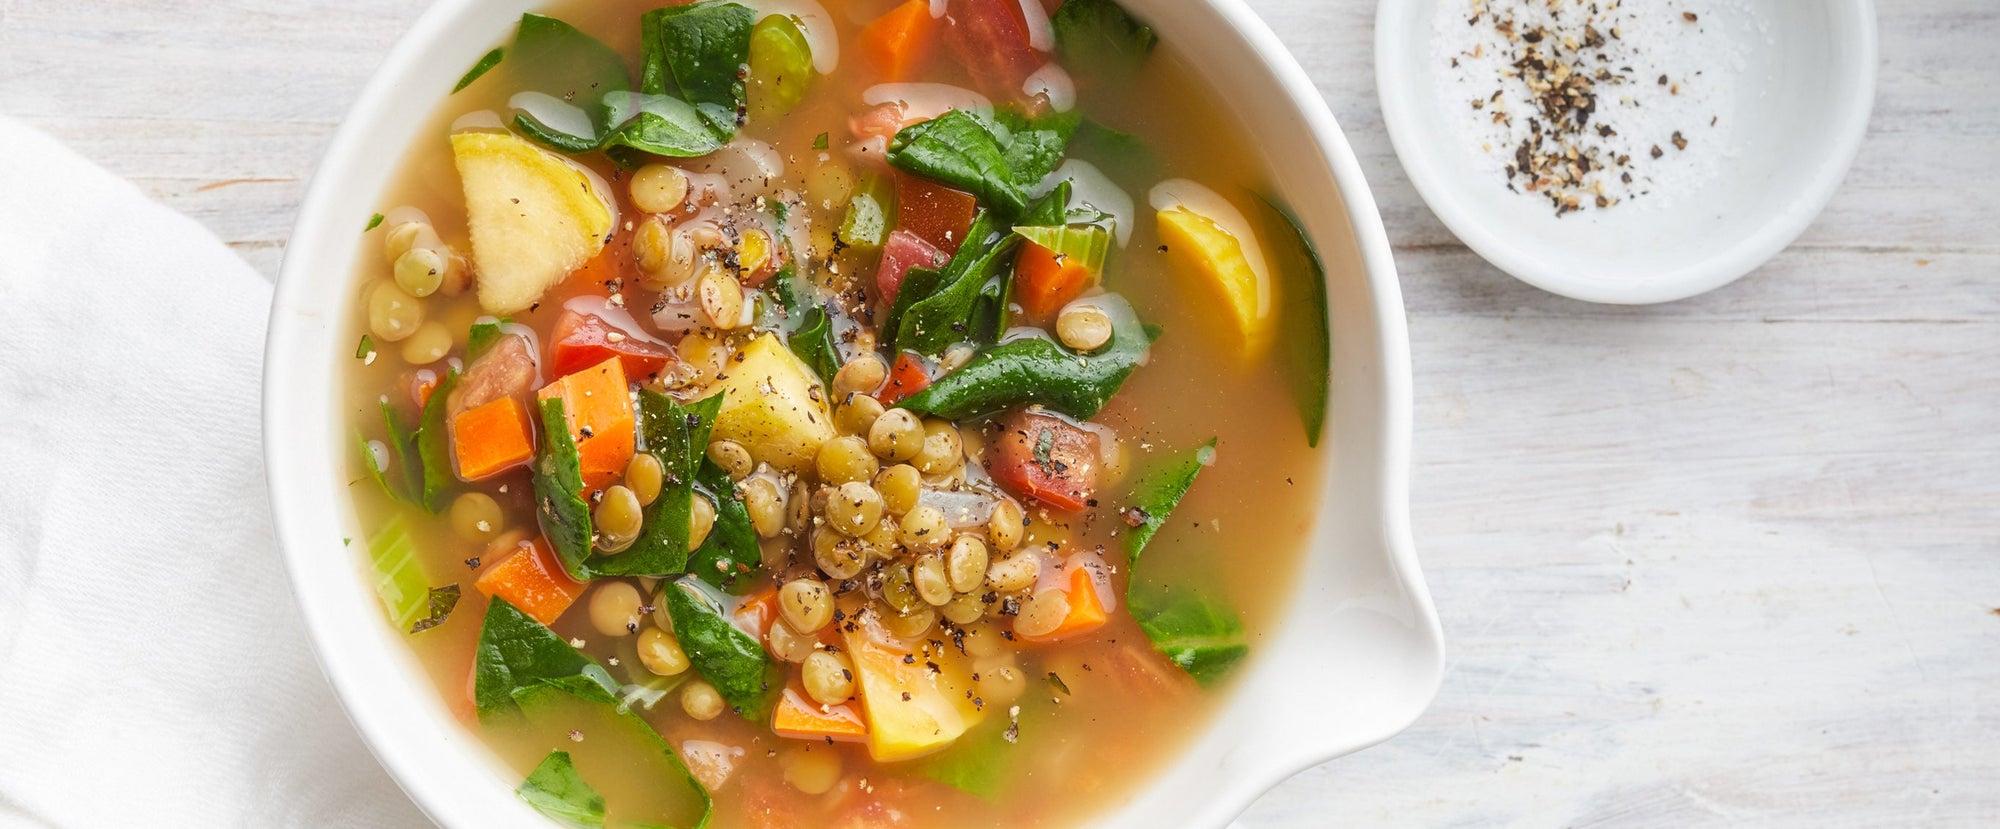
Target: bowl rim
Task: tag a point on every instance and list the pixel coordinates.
(291, 347)
(1394, 20)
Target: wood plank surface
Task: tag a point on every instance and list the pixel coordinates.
(1730, 560)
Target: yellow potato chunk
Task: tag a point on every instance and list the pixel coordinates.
(911, 711)
(534, 217)
(776, 407)
(1214, 269)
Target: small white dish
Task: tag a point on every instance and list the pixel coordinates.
(1356, 657)
(1796, 91)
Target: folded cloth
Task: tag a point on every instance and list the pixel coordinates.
(153, 671)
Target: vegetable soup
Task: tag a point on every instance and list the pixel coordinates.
(846, 413)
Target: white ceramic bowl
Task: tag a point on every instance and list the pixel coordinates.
(1356, 659)
(1801, 98)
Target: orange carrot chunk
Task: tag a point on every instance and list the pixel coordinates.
(491, 439)
(898, 43)
(798, 717)
(1086, 610)
(599, 408)
(1044, 281)
(531, 579)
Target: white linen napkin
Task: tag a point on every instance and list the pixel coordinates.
(153, 671)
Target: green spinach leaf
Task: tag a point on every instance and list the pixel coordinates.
(689, 92)
(999, 159)
(1121, 155)
(1308, 337)
(403, 477)
(519, 657)
(556, 790)
(1159, 490)
(731, 660)
(677, 436)
(556, 59)
(943, 315)
(560, 508)
(434, 446)
(478, 70)
(1099, 39)
(813, 342)
(730, 555)
(442, 601)
(1037, 370)
(697, 53)
(1198, 633)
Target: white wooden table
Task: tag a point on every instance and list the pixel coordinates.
(1735, 559)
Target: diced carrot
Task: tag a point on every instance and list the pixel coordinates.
(531, 579)
(1045, 281)
(798, 717)
(938, 214)
(599, 408)
(492, 439)
(1086, 610)
(421, 387)
(906, 378)
(897, 44)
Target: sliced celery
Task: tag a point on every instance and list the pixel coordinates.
(399, 578)
(1086, 245)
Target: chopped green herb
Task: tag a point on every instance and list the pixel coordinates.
(483, 335)
(820, 142)
(374, 221)
(365, 348)
(442, 600)
(485, 65)
(1059, 684)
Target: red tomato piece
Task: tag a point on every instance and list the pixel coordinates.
(938, 214)
(991, 39)
(907, 377)
(1044, 457)
(901, 252)
(581, 340)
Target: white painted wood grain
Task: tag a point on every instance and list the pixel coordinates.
(1731, 560)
